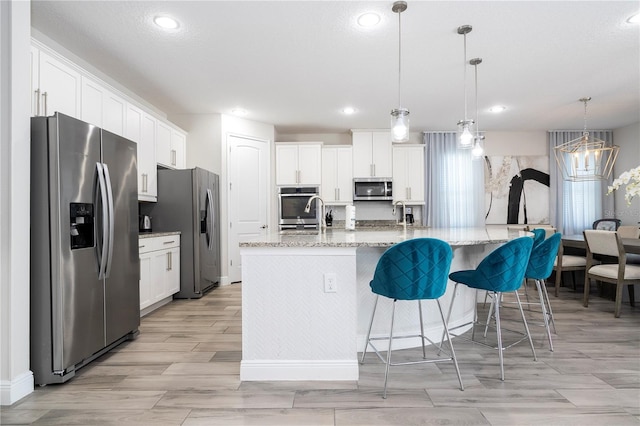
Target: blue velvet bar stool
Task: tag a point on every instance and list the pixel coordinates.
(541, 261)
(415, 269)
(543, 256)
(501, 271)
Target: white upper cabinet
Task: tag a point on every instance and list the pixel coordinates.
(372, 154)
(102, 107)
(298, 164)
(170, 146)
(55, 86)
(141, 128)
(337, 175)
(178, 149)
(408, 174)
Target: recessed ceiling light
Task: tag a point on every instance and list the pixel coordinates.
(166, 22)
(240, 112)
(348, 110)
(497, 108)
(634, 19)
(369, 19)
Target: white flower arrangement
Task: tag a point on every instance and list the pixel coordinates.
(630, 178)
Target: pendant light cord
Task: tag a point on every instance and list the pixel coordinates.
(399, 57)
(465, 77)
(475, 66)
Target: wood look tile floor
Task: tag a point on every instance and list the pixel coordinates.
(183, 369)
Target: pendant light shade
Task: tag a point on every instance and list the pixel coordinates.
(399, 116)
(465, 126)
(586, 158)
(478, 141)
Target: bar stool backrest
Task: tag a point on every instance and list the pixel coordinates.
(542, 256)
(413, 269)
(503, 269)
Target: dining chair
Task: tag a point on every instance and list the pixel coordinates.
(607, 243)
(629, 231)
(607, 224)
(567, 263)
(417, 270)
(501, 271)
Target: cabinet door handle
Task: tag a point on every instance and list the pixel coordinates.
(169, 242)
(144, 182)
(409, 192)
(336, 193)
(37, 94)
(44, 96)
(169, 262)
(141, 247)
(173, 157)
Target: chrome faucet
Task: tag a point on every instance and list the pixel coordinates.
(307, 209)
(404, 213)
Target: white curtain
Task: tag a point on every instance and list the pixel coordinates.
(574, 206)
(454, 183)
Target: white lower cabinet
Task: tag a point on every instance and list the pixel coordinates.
(159, 271)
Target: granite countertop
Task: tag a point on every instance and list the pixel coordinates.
(142, 235)
(383, 236)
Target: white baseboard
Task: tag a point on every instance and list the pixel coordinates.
(297, 370)
(16, 389)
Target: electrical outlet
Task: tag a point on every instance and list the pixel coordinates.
(330, 283)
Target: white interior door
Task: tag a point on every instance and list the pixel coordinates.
(248, 168)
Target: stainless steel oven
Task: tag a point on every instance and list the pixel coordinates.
(291, 203)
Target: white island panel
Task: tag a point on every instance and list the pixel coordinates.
(292, 329)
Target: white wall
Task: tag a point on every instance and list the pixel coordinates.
(203, 140)
(16, 380)
(516, 143)
(628, 139)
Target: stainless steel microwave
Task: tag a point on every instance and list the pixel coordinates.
(372, 189)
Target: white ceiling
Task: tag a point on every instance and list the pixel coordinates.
(296, 64)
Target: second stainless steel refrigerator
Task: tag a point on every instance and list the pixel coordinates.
(188, 201)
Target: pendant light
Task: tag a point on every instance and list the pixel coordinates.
(465, 134)
(399, 116)
(587, 157)
(478, 144)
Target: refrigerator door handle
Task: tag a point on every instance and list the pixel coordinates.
(107, 179)
(211, 219)
(102, 251)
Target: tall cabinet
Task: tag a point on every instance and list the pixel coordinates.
(408, 174)
(371, 154)
(337, 174)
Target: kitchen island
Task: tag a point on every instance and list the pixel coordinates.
(306, 301)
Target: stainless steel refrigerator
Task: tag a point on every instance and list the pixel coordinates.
(188, 201)
(85, 269)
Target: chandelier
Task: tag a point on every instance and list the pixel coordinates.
(586, 158)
